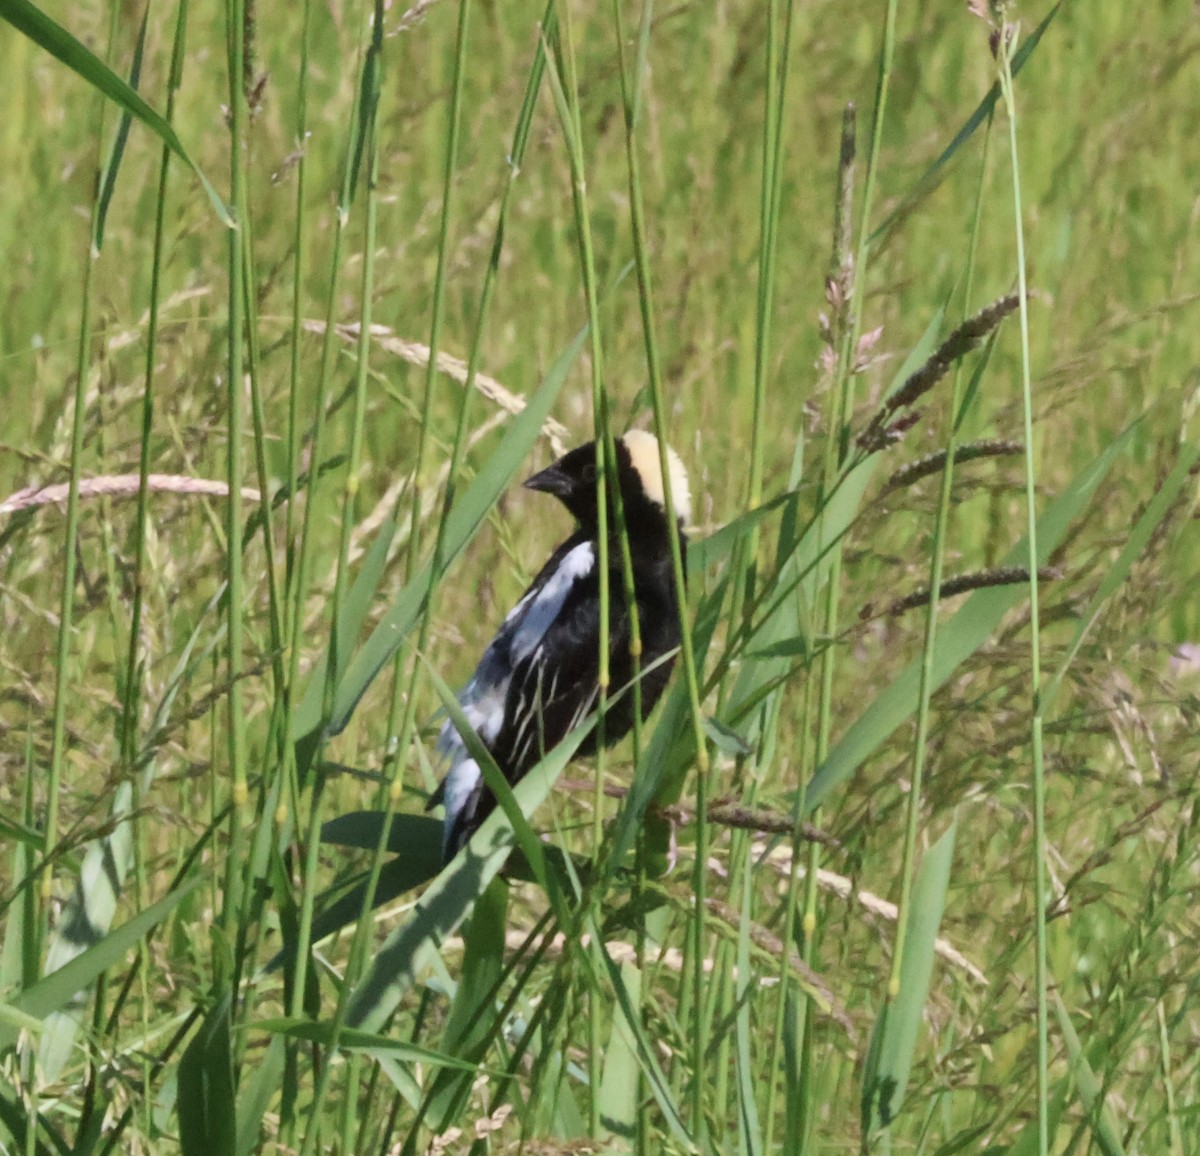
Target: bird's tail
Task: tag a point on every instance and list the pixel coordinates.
(460, 792)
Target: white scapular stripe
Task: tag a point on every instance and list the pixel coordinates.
(549, 601)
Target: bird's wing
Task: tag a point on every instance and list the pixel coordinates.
(485, 699)
(555, 682)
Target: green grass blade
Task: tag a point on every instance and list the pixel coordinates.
(969, 629)
(353, 1039)
(707, 552)
(416, 840)
(58, 989)
(85, 920)
(495, 781)
(931, 178)
(1100, 1118)
(395, 878)
(1028, 1141)
(450, 897)
(108, 180)
(206, 1106)
(258, 1089)
(400, 1076)
(644, 1052)
(810, 548)
(354, 610)
(363, 121)
(473, 1007)
(795, 1019)
(618, 1094)
(667, 758)
(14, 1117)
(416, 836)
(20, 1020)
(56, 40)
(482, 957)
(905, 1012)
(965, 1141)
(749, 1127)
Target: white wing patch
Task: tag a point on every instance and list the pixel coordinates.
(483, 698)
(548, 603)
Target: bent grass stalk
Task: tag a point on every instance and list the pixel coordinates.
(631, 97)
(395, 747)
(687, 654)
(396, 750)
(231, 909)
(293, 595)
(571, 122)
(778, 57)
(841, 415)
(133, 673)
(566, 87)
(71, 538)
(312, 833)
(354, 464)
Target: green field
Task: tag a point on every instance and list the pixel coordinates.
(869, 880)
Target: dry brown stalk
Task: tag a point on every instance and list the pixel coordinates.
(453, 367)
(723, 812)
(119, 486)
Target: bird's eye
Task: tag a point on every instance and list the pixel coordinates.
(588, 476)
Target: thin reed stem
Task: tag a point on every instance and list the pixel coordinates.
(66, 609)
(236, 739)
(1007, 47)
(133, 665)
(368, 127)
(311, 841)
(687, 653)
(567, 84)
(936, 572)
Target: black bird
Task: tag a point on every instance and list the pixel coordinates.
(538, 679)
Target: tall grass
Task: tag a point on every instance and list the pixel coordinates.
(902, 861)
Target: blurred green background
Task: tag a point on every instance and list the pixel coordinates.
(1110, 177)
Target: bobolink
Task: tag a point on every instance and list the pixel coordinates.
(538, 679)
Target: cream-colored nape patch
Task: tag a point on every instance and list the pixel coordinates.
(643, 454)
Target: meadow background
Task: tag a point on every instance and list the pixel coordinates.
(216, 712)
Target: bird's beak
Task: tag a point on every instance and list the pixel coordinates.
(551, 480)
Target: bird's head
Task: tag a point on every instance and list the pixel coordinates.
(572, 480)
